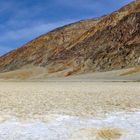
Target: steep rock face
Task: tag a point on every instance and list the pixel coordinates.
(108, 43)
(114, 47)
(37, 51)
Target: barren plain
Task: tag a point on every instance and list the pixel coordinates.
(63, 110)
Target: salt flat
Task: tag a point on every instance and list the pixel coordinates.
(69, 110)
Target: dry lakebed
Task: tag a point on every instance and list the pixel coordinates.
(62, 110)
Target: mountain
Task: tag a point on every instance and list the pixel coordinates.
(111, 42)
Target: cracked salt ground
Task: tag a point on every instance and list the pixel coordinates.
(120, 126)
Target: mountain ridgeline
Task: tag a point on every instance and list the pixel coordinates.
(111, 42)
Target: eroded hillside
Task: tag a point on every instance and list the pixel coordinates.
(108, 43)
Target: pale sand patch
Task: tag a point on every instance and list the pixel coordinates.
(131, 71)
(97, 134)
(109, 133)
(2, 119)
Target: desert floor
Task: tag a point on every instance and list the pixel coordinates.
(69, 110)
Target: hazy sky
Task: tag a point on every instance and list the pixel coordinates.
(23, 20)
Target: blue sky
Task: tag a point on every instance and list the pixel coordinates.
(23, 20)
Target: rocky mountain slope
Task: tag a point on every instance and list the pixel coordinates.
(108, 43)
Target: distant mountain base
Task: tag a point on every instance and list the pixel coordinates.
(40, 74)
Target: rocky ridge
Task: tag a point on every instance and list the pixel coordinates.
(108, 43)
